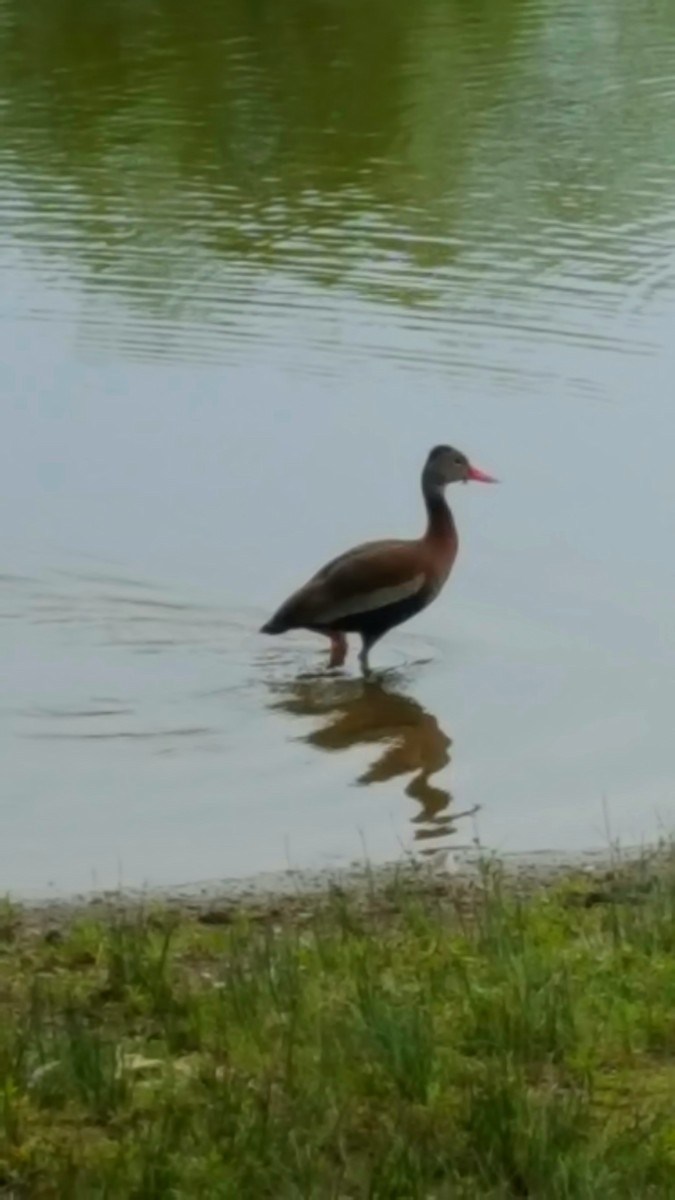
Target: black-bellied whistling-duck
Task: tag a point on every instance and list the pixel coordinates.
(378, 585)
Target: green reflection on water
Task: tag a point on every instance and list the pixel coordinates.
(243, 129)
(379, 145)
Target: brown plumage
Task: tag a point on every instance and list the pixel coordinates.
(378, 585)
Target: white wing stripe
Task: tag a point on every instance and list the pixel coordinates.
(368, 601)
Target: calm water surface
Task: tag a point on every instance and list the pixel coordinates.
(256, 259)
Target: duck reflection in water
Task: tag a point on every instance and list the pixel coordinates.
(357, 712)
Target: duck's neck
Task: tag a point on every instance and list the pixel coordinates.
(440, 522)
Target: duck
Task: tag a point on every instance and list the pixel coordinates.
(376, 586)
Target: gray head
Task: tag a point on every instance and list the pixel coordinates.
(446, 465)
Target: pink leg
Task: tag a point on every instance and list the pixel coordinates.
(338, 649)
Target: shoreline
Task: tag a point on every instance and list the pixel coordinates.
(271, 894)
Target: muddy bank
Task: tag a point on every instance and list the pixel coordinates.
(594, 877)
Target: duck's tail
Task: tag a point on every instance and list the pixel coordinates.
(274, 625)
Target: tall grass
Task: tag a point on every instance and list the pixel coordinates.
(394, 1046)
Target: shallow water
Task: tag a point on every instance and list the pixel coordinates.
(255, 261)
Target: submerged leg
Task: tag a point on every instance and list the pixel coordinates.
(363, 656)
(338, 649)
(368, 641)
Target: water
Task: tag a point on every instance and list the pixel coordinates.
(256, 259)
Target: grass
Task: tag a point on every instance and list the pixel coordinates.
(416, 1043)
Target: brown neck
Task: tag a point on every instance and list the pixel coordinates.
(440, 524)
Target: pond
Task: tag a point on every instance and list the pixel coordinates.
(257, 258)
